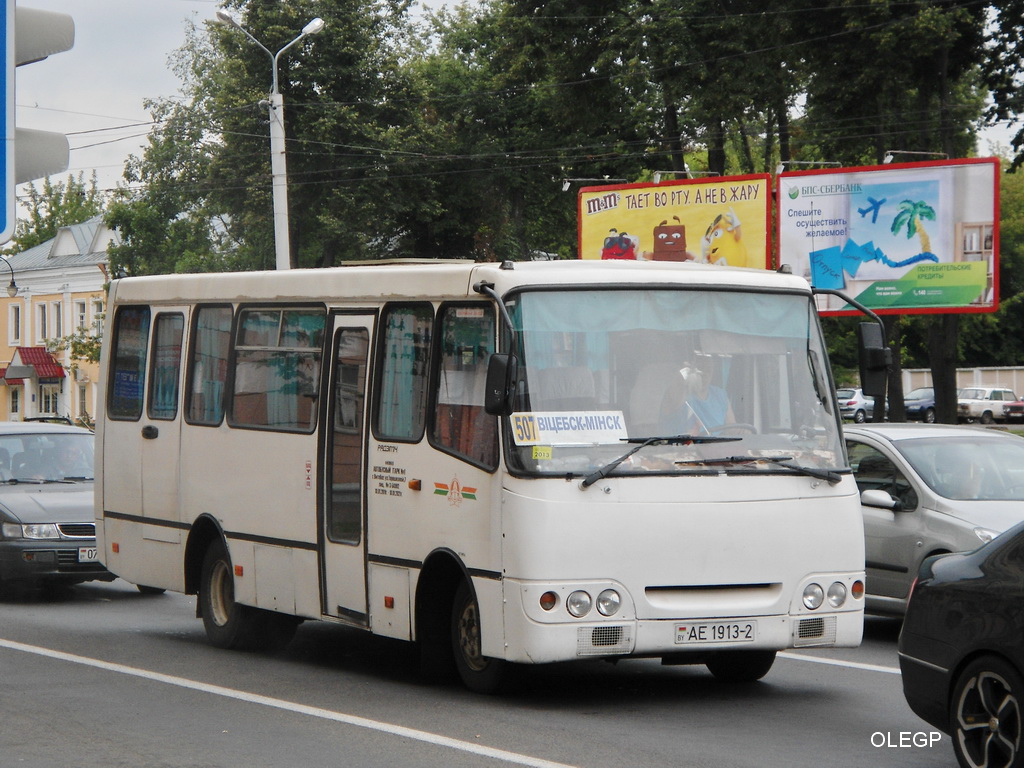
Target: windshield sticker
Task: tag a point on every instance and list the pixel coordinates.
(568, 428)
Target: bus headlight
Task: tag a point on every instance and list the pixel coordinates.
(836, 594)
(608, 602)
(813, 595)
(578, 603)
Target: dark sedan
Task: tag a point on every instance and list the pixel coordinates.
(962, 650)
(920, 405)
(47, 526)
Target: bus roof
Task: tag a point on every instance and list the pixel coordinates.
(442, 278)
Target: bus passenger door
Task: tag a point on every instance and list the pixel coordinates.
(343, 500)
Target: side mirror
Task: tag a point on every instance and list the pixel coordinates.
(880, 499)
(502, 372)
(875, 359)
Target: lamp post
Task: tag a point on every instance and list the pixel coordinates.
(12, 289)
(278, 165)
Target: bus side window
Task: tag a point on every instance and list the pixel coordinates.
(405, 358)
(128, 363)
(166, 366)
(208, 369)
(460, 425)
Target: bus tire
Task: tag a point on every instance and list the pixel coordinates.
(478, 673)
(741, 666)
(228, 625)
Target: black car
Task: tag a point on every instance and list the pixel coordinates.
(920, 405)
(47, 526)
(962, 650)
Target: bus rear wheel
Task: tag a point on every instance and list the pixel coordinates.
(478, 673)
(231, 625)
(741, 666)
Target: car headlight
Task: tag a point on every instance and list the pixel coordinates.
(608, 602)
(11, 530)
(40, 531)
(836, 594)
(813, 595)
(986, 535)
(578, 603)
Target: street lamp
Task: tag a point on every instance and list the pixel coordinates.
(278, 165)
(12, 289)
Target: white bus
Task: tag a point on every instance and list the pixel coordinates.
(514, 463)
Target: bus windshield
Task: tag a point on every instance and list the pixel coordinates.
(601, 370)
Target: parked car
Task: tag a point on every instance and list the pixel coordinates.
(1014, 411)
(961, 650)
(853, 405)
(984, 404)
(920, 405)
(47, 526)
(928, 489)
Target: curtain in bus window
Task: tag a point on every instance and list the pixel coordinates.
(460, 423)
(404, 372)
(210, 344)
(128, 364)
(163, 392)
(277, 368)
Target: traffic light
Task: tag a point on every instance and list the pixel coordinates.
(30, 35)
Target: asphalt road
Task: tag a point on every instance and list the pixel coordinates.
(103, 677)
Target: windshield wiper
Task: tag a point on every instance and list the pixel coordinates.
(643, 442)
(782, 461)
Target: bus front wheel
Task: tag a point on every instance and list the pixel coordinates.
(741, 666)
(478, 673)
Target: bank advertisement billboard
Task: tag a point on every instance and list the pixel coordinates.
(722, 220)
(903, 238)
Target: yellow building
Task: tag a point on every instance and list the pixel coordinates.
(56, 290)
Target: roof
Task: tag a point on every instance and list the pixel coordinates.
(897, 431)
(38, 358)
(75, 245)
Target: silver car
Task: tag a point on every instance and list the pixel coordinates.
(927, 489)
(854, 404)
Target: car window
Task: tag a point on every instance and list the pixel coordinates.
(873, 470)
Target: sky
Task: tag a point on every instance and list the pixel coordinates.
(94, 92)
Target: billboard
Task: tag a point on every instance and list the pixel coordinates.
(902, 238)
(723, 220)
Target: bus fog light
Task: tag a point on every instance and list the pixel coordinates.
(608, 602)
(813, 595)
(836, 594)
(858, 590)
(548, 601)
(578, 603)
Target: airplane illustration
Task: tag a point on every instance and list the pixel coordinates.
(874, 207)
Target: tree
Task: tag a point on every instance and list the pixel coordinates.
(57, 204)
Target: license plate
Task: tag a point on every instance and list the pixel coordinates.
(716, 632)
(88, 554)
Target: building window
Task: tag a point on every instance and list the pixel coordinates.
(81, 319)
(83, 402)
(97, 318)
(41, 325)
(15, 326)
(58, 320)
(48, 395)
(15, 400)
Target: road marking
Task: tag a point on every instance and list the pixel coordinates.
(290, 706)
(840, 663)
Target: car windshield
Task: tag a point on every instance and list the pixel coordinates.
(969, 467)
(599, 367)
(924, 393)
(46, 457)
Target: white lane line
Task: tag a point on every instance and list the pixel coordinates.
(301, 709)
(840, 663)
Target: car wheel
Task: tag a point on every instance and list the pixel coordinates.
(741, 666)
(929, 416)
(859, 417)
(479, 673)
(986, 418)
(985, 715)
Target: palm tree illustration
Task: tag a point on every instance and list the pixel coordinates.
(910, 216)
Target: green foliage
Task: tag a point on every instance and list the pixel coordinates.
(57, 204)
